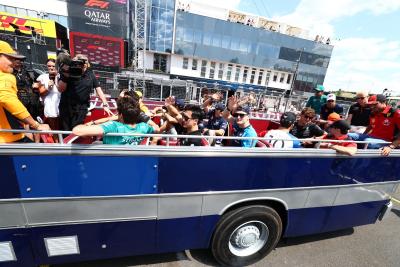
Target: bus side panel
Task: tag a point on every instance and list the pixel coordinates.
(8, 178)
(98, 240)
(179, 175)
(66, 176)
(185, 233)
(324, 219)
(19, 239)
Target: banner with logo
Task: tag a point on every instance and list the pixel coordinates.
(13, 23)
(107, 18)
(101, 50)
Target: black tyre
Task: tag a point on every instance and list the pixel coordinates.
(246, 235)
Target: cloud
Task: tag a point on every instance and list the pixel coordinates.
(317, 16)
(230, 4)
(364, 63)
(357, 63)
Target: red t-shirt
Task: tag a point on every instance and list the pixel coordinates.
(344, 137)
(385, 123)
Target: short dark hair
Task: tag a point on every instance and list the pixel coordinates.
(129, 109)
(308, 112)
(132, 94)
(50, 60)
(197, 112)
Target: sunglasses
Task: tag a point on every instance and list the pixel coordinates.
(51, 66)
(308, 117)
(360, 98)
(331, 101)
(241, 115)
(185, 117)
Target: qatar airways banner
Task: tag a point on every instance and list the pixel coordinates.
(106, 18)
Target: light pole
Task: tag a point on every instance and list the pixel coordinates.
(294, 77)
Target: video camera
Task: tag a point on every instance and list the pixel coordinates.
(68, 68)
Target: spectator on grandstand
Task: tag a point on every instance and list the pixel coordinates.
(305, 128)
(216, 125)
(359, 113)
(316, 101)
(239, 117)
(329, 107)
(339, 131)
(191, 117)
(75, 95)
(281, 137)
(51, 96)
(383, 126)
(12, 110)
(128, 113)
(28, 92)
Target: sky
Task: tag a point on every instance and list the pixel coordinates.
(366, 54)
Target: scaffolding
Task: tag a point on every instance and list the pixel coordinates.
(139, 45)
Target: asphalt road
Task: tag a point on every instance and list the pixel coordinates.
(370, 245)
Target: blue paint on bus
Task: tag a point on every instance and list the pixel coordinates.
(8, 179)
(66, 176)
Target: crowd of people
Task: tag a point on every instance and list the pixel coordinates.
(62, 103)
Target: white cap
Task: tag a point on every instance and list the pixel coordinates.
(331, 97)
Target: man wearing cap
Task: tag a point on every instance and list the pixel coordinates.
(281, 137)
(316, 101)
(12, 111)
(216, 125)
(384, 125)
(240, 119)
(338, 131)
(75, 96)
(329, 107)
(359, 113)
(143, 107)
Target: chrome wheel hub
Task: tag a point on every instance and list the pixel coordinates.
(248, 238)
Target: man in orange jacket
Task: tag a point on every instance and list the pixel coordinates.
(12, 111)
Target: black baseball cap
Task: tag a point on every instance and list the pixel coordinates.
(342, 125)
(243, 109)
(287, 119)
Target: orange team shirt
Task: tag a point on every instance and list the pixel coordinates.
(384, 124)
(11, 109)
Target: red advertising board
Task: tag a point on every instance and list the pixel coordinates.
(101, 50)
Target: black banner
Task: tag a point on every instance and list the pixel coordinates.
(106, 18)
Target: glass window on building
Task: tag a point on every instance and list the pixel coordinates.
(207, 38)
(185, 63)
(194, 64)
(22, 12)
(245, 73)
(160, 62)
(253, 75)
(260, 76)
(267, 76)
(212, 70)
(229, 72)
(203, 68)
(2, 8)
(226, 41)
(13, 10)
(32, 13)
(282, 78)
(289, 78)
(237, 73)
(221, 71)
(275, 77)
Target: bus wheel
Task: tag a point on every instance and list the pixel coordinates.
(246, 235)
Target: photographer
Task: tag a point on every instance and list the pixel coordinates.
(75, 84)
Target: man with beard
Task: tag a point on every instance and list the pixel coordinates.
(384, 125)
(304, 127)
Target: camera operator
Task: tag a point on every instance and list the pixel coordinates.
(75, 84)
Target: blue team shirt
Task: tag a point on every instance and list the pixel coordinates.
(244, 132)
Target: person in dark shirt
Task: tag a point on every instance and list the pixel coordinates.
(330, 107)
(304, 127)
(191, 117)
(216, 125)
(359, 112)
(75, 96)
